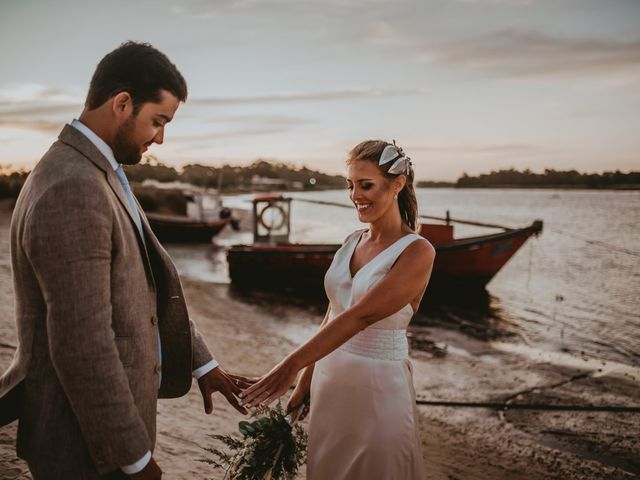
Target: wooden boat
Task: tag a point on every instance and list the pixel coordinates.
(466, 262)
(183, 229)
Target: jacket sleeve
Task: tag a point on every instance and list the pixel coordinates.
(68, 241)
(200, 351)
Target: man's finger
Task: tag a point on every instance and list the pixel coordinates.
(233, 388)
(242, 384)
(208, 403)
(233, 401)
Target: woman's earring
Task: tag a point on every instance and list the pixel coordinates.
(395, 196)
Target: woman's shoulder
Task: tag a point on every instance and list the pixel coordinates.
(419, 249)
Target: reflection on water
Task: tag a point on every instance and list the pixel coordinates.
(475, 313)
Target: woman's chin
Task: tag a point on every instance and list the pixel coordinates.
(364, 217)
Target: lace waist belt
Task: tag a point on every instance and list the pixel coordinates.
(379, 343)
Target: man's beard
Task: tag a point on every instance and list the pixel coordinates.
(124, 148)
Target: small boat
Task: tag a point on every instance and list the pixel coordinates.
(206, 217)
(183, 229)
(272, 262)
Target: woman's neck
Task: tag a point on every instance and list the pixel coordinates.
(387, 227)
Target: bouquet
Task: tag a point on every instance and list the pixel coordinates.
(273, 448)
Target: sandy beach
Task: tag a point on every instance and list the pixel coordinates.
(248, 336)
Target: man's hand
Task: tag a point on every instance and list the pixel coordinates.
(217, 380)
(150, 472)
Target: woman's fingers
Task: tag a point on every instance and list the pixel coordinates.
(256, 393)
(265, 391)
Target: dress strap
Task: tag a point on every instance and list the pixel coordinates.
(393, 253)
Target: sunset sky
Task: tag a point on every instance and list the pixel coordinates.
(462, 85)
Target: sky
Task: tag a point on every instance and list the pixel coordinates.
(462, 85)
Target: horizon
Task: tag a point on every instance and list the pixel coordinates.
(6, 169)
(534, 84)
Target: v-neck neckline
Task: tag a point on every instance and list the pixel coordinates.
(353, 276)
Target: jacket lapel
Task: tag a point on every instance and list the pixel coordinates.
(78, 141)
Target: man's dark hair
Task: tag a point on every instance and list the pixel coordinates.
(136, 68)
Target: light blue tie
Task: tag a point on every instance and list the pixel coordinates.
(136, 217)
(132, 203)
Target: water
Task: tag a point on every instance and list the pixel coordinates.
(573, 290)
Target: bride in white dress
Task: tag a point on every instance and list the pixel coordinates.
(363, 421)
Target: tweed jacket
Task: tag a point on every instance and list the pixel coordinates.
(90, 295)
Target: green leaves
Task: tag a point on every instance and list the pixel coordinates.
(270, 448)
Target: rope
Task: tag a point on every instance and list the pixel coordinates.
(427, 217)
(530, 406)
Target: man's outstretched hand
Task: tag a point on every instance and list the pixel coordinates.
(217, 380)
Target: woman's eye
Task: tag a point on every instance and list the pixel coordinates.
(349, 187)
(366, 186)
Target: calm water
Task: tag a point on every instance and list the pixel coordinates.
(575, 289)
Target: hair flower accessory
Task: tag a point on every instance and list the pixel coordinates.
(401, 163)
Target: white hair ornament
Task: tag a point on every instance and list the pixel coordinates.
(401, 163)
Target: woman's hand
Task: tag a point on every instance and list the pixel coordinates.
(272, 385)
(300, 397)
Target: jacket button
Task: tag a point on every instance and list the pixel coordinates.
(158, 369)
(154, 320)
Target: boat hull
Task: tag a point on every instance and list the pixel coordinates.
(176, 229)
(466, 263)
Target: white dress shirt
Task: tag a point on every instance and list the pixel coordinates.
(198, 372)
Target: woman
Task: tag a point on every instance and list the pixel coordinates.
(363, 421)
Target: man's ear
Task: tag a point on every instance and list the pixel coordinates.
(122, 105)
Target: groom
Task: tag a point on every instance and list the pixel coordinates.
(102, 322)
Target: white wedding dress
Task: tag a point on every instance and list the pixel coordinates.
(363, 420)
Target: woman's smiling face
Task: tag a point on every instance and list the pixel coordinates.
(369, 190)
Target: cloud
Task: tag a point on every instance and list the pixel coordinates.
(43, 126)
(496, 2)
(23, 102)
(481, 150)
(206, 8)
(518, 53)
(262, 119)
(38, 110)
(241, 132)
(344, 94)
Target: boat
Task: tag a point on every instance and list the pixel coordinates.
(272, 262)
(183, 229)
(200, 224)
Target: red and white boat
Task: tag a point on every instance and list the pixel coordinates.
(272, 262)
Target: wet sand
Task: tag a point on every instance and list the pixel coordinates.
(459, 443)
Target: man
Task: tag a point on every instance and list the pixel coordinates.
(102, 322)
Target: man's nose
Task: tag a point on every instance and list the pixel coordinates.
(159, 138)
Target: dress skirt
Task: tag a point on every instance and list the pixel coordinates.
(363, 420)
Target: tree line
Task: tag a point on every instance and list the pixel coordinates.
(241, 178)
(228, 177)
(549, 178)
